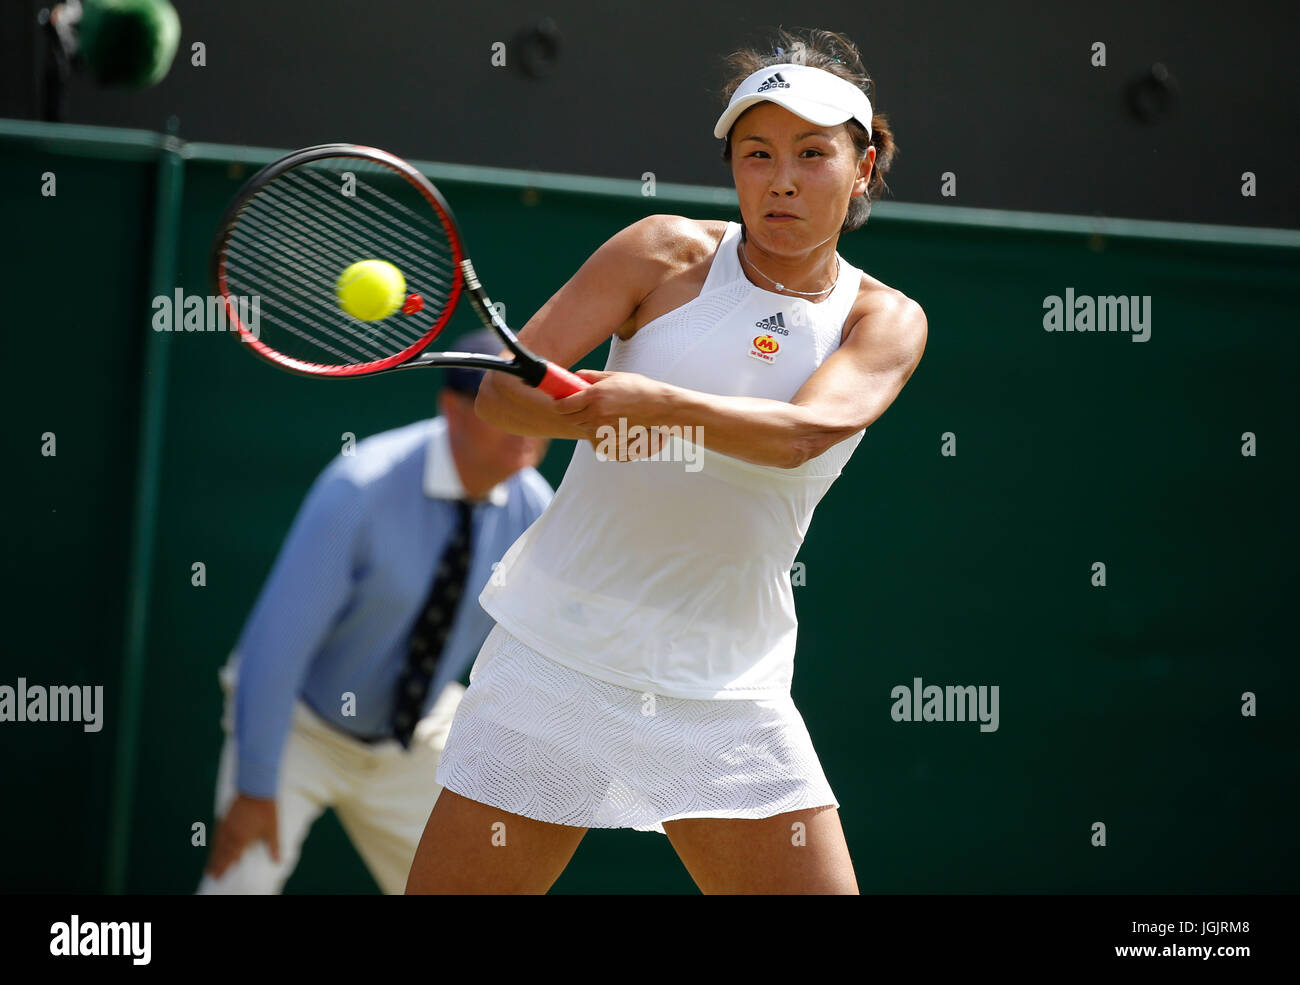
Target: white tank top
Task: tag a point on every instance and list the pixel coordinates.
(677, 582)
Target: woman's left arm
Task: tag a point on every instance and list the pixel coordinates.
(847, 393)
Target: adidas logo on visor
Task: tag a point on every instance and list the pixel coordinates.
(773, 82)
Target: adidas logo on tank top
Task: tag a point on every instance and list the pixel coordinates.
(764, 346)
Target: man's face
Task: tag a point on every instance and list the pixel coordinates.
(484, 445)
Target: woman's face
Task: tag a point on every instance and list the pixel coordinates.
(783, 163)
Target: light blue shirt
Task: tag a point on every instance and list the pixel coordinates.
(351, 579)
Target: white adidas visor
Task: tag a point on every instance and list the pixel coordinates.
(817, 96)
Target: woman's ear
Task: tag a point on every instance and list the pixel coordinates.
(865, 169)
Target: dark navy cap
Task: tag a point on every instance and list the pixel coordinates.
(461, 378)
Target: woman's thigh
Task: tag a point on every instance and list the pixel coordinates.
(468, 847)
(796, 852)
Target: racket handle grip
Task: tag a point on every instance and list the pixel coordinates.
(559, 382)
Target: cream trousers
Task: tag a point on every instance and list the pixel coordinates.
(381, 794)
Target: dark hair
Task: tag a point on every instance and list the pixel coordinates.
(838, 55)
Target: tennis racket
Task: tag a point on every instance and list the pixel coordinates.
(301, 221)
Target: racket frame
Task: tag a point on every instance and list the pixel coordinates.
(528, 366)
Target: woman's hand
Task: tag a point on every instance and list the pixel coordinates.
(619, 402)
(844, 395)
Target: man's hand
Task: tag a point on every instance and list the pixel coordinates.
(249, 819)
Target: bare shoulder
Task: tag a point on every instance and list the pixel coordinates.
(641, 267)
(675, 240)
(881, 310)
(673, 254)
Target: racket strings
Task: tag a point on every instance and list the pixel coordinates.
(425, 233)
(360, 352)
(242, 269)
(313, 289)
(300, 231)
(344, 224)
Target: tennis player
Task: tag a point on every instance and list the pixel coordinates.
(639, 671)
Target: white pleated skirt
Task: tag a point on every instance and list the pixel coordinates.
(539, 739)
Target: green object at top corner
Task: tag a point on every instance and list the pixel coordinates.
(129, 42)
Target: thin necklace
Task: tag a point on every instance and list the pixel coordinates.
(782, 287)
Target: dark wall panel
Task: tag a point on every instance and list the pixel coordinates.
(1002, 94)
(75, 275)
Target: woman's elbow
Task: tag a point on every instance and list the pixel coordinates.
(816, 441)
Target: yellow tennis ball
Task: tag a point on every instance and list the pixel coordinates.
(371, 289)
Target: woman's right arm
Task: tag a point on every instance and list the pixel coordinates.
(597, 301)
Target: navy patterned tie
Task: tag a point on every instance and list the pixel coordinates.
(429, 633)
